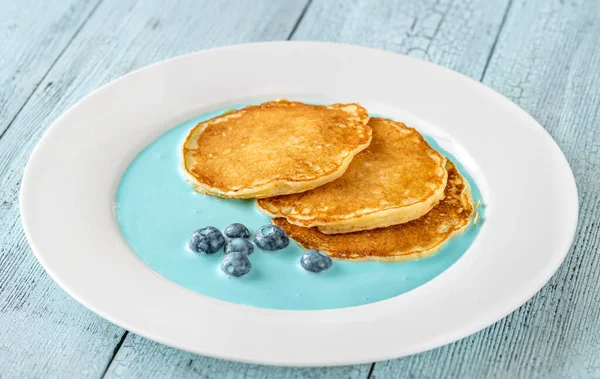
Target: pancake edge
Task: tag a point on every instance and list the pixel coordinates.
(397, 256)
(275, 187)
(371, 220)
(387, 217)
(374, 220)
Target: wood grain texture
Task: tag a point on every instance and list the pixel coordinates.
(142, 358)
(33, 35)
(430, 29)
(547, 60)
(43, 332)
(458, 34)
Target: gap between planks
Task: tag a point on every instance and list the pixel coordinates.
(493, 49)
(85, 20)
(299, 20)
(114, 353)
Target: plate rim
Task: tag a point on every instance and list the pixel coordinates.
(473, 327)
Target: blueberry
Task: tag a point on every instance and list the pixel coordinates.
(271, 237)
(315, 261)
(236, 264)
(207, 240)
(239, 245)
(237, 230)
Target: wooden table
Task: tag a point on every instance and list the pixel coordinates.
(542, 54)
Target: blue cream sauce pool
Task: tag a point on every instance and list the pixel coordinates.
(157, 212)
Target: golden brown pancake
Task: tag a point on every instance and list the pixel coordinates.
(397, 179)
(274, 148)
(412, 240)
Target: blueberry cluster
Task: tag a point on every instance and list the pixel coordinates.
(210, 240)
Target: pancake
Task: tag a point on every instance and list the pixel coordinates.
(397, 179)
(274, 148)
(416, 239)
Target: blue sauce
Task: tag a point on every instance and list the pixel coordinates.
(158, 210)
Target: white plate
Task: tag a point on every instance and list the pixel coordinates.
(70, 182)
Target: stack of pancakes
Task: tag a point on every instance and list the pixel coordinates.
(334, 179)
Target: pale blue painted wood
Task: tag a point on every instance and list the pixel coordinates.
(43, 332)
(142, 358)
(547, 60)
(33, 34)
(458, 34)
